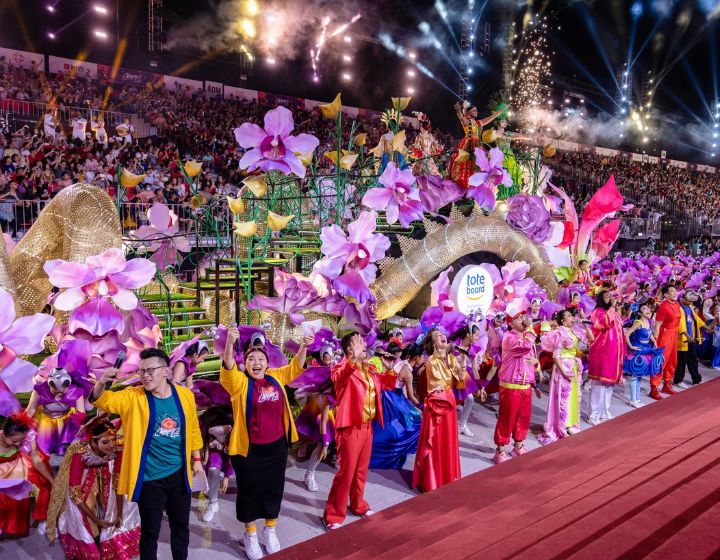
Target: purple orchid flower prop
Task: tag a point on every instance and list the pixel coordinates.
(398, 196)
(436, 192)
(162, 236)
(19, 336)
(484, 184)
(295, 294)
(349, 258)
(272, 147)
(105, 275)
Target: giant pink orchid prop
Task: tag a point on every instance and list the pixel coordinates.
(107, 275)
(295, 293)
(436, 192)
(18, 337)
(440, 291)
(510, 283)
(349, 258)
(398, 196)
(484, 184)
(161, 236)
(273, 147)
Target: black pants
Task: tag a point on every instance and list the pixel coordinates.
(690, 358)
(169, 494)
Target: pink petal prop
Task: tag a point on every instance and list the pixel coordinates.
(26, 335)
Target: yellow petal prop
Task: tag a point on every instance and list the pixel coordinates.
(549, 150)
(256, 184)
(128, 179)
(360, 139)
(192, 168)
(347, 160)
(400, 103)
(276, 222)
(197, 201)
(331, 110)
(398, 142)
(237, 206)
(489, 136)
(245, 229)
(462, 156)
(305, 159)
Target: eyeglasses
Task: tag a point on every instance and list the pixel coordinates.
(149, 371)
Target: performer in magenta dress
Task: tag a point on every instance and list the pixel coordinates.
(606, 356)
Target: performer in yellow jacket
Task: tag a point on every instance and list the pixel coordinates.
(162, 449)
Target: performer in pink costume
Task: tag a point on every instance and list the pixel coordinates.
(606, 355)
(517, 379)
(563, 415)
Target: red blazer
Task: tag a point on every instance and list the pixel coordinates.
(350, 390)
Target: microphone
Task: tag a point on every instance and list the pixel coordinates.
(118, 362)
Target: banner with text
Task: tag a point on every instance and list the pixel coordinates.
(23, 59)
(232, 92)
(175, 84)
(70, 67)
(213, 89)
(125, 76)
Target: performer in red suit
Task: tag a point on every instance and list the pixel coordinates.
(358, 387)
(667, 323)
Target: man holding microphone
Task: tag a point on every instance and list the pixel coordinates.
(161, 452)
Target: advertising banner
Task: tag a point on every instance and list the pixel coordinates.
(182, 85)
(213, 89)
(472, 289)
(232, 92)
(70, 67)
(23, 59)
(125, 76)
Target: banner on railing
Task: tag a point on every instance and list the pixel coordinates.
(213, 89)
(288, 101)
(237, 93)
(23, 59)
(125, 76)
(70, 67)
(183, 86)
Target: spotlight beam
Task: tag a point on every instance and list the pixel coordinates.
(590, 24)
(647, 42)
(713, 63)
(696, 85)
(442, 11)
(56, 32)
(590, 77)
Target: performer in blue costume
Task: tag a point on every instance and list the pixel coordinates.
(401, 417)
(644, 358)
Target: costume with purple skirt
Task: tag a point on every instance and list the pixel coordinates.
(58, 422)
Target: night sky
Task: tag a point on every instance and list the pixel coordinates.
(591, 40)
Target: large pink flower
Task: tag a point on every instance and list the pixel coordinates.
(398, 196)
(295, 293)
(349, 258)
(161, 236)
(17, 337)
(484, 184)
(436, 192)
(510, 283)
(105, 275)
(273, 147)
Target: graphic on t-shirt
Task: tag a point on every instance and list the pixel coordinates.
(268, 394)
(168, 427)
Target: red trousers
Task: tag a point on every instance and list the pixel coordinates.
(514, 418)
(354, 447)
(668, 338)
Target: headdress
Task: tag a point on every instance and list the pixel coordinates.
(59, 379)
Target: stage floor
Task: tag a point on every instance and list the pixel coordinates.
(621, 489)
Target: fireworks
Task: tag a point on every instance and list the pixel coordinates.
(531, 91)
(323, 38)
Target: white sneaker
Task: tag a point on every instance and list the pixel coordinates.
(210, 511)
(272, 544)
(682, 385)
(41, 528)
(636, 404)
(464, 430)
(593, 420)
(310, 482)
(368, 513)
(573, 430)
(252, 546)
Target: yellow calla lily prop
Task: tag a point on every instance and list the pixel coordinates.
(549, 150)
(197, 201)
(331, 110)
(256, 184)
(237, 206)
(489, 136)
(192, 168)
(305, 159)
(400, 103)
(360, 139)
(463, 156)
(398, 143)
(245, 229)
(276, 222)
(128, 179)
(347, 160)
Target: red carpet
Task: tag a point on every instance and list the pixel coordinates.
(644, 485)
